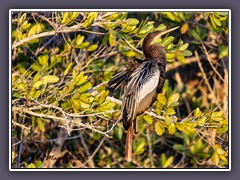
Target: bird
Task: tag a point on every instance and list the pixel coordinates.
(141, 81)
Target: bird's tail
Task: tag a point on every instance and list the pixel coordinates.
(128, 145)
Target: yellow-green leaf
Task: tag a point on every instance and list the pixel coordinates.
(180, 57)
(90, 18)
(21, 19)
(217, 21)
(51, 78)
(171, 129)
(38, 83)
(183, 47)
(132, 21)
(220, 151)
(31, 166)
(180, 126)
(168, 162)
(112, 39)
(197, 112)
(171, 16)
(215, 158)
(85, 87)
(179, 147)
(172, 99)
(168, 120)
(79, 39)
(148, 118)
(170, 55)
(167, 41)
(40, 124)
(92, 47)
(159, 128)
(161, 98)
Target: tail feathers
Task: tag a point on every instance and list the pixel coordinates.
(117, 81)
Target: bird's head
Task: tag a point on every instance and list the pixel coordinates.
(152, 49)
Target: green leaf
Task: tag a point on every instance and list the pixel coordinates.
(217, 116)
(161, 99)
(171, 111)
(180, 57)
(112, 38)
(85, 87)
(39, 83)
(186, 53)
(51, 78)
(183, 47)
(168, 162)
(159, 128)
(180, 126)
(79, 40)
(212, 21)
(196, 35)
(66, 17)
(31, 166)
(146, 28)
(163, 159)
(119, 132)
(172, 99)
(22, 19)
(43, 59)
(92, 47)
(170, 16)
(215, 158)
(217, 21)
(201, 121)
(36, 28)
(82, 80)
(161, 27)
(107, 105)
(40, 124)
(69, 65)
(102, 97)
(140, 147)
(223, 51)
(223, 13)
(171, 129)
(167, 41)
(132, 21)
(168, 120)
(83, 45)
(148, 118)
(197, 112)
(179, 147)
(170, 55)
(90, 18)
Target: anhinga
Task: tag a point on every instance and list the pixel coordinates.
(141, 82)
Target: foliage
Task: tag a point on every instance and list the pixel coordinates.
(64, 117)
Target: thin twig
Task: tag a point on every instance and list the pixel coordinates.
(210, 62)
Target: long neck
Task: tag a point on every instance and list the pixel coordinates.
(146, 46)
(154, 50)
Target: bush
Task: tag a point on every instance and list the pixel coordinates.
(63, 116)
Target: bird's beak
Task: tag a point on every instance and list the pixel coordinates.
(161, 33)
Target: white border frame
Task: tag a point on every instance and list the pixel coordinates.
(124, 10)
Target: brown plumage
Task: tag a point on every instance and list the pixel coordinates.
(141, 82)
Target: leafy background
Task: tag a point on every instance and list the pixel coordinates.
(64, 117)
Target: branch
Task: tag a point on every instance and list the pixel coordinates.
(49, 33)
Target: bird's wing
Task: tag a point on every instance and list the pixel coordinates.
(142, 81)
(122, 77)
